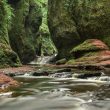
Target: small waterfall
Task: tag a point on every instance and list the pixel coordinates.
(43, 59)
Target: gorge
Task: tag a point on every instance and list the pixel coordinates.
(54, 52)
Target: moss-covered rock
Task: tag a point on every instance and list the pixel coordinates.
(89, 46)
(26, 21)
(73, 21)
(92, 52)
(7, 56)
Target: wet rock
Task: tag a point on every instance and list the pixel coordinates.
(62, 75)
(87, 75)
(62, 61)
(43, 73)
(106, 71)
(63, 70)
(7, 82)
(15, 71)
(52, 72)
(41, 60)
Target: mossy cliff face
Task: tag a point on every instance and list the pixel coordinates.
(26, 21)
(7, 56)
(44, 39)
(73, 21)
(62, 26)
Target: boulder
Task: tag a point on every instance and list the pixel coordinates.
(7, 82)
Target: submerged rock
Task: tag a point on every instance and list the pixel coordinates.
(87, 75)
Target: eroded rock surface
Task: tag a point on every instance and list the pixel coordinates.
(91, 52)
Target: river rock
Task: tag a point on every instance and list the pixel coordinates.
(6, 82)
(62, 61)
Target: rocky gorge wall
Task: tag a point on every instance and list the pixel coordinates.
(24, 32)
(7, 56)
(73, 21)
(44, 38)
(25, 26)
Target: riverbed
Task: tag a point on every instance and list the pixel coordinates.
(42, 92)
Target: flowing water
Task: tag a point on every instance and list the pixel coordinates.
(54, 93)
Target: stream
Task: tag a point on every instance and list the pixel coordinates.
(59, 90)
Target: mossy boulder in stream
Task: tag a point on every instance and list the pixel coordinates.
(73, 21)
(26, 21)
(7, 56)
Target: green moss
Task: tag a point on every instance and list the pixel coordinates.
(26, 22)
(71, 62)
(106, 40)
(5, 17)
(62, 27)
(85, 47)
(44, 39)
(74, 21)
(87, 58)
(7, 56)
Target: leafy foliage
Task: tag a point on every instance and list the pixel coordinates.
(6, 14)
